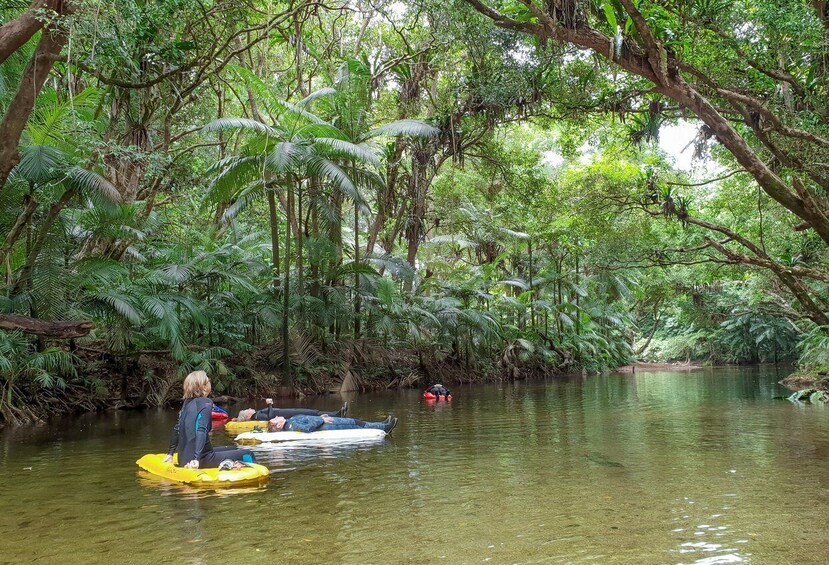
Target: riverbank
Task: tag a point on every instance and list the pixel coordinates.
(816, 379)
(634, 367)
(153, 379)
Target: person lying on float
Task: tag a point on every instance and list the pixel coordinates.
(270, 412)
(308, 424)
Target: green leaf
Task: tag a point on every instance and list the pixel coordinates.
(223, 124)
(610, 15)
(406, 128)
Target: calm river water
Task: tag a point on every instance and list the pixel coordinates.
(669, 467)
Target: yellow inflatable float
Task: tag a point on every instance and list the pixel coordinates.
(250, 473)
(234, 427)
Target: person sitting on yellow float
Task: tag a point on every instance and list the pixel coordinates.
(190, 437)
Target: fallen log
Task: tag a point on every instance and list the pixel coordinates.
(45, 328)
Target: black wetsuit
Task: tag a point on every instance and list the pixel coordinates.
(191, 441)
(271, 412)
(438, 391)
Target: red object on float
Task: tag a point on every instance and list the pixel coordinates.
(429, 396)
(219, 416)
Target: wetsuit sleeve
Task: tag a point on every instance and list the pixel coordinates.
(174, 437)
(203, 419)
(268, 413)
(305, 424)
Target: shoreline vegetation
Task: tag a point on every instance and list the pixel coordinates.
(383, 370)
(296, 195)
(677, 366)
(807, 379)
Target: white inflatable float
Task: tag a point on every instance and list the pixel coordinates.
(324, 435)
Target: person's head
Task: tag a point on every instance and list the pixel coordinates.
(196, 384)
(276, 424)
(245, 415)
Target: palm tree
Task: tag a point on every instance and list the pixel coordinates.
(296, 148)
(282, 155)
(50, 172)
(349, 108)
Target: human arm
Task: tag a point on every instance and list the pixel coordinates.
(173, 441)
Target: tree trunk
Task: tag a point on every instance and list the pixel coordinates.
(530, 279)
(37, 245)
(385, 202)
(822, 9)
(336, 234)
(286, 299)
(16, 33)
(21, 106)
(649, 59)
(300, 266)
(356, 272)
(578, 297)
(274, 239)
(43, 328)
(645, 345)
(17, 228)
(417, 190)
(313, 189)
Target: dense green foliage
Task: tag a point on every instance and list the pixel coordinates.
(285, 192)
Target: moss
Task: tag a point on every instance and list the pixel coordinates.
(808, 377)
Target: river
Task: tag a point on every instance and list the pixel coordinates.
(665, 467)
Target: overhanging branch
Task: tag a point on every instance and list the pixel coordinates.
(44, 328)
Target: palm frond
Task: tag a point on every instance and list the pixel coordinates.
(345, 149)
(285, 157)
(243, 200)
(119, 302)
(40, 163)
(245, 124)
(320, 167)
(234, 173)
(92, 185)
(405, 128)
(327, 91)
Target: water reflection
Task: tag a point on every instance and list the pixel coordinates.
(648, 468)
(171, 488)
(298, 454)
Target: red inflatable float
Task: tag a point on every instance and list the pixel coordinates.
(429, 396)
(219, 415)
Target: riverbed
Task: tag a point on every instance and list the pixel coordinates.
(707, 467)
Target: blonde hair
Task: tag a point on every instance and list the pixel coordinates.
(197, 384)
(246, 415)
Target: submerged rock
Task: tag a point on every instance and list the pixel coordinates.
(810, 395)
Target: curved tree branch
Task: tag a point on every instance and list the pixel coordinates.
(44, 328)
(677, 88)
